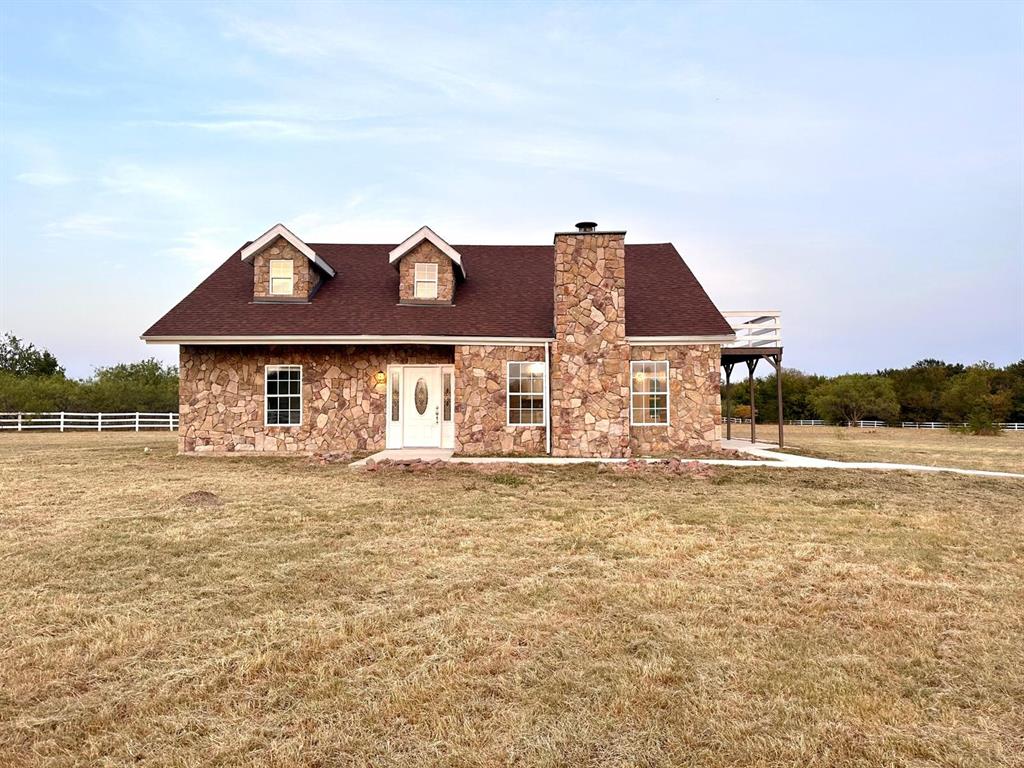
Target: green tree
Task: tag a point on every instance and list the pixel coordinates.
(919, 388)
(976, 397)
(854, 397)
(21, 359)
(147, 385)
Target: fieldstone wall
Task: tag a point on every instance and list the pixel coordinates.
(221, 396)
(481, 387)
(695, 406)
(305, 276)
(426, 253)
(590, 355)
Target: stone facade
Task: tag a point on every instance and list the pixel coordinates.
(304, 275)
(590, 354)
(695, 407)
(426, 253)
(221, 396)
(481, 388)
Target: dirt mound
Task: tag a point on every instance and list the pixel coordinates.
(200, 499)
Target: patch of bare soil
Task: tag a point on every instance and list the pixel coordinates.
(200, 499)
(664, 466)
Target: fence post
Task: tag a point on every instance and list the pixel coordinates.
(170, 422)
(62, 421)
(136, 421)
(99, 422)
(19, 421)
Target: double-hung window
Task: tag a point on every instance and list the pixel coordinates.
(648, 393)
(283, 395)
(525, 394)
(425, 278)
(282, 277)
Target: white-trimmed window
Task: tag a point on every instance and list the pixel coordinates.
(648, 393)
(283, 399)
(282, 277)
(425, 281)
(525, 396)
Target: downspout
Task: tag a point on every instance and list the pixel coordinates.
(547, 394)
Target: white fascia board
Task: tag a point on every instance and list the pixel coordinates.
(651, 341)
(417, 237)
(498, 341)
(280, 230)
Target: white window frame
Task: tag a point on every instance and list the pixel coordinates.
(668, 394)
(290, 278)
(266, 394)
(419, 277)
(543, 394)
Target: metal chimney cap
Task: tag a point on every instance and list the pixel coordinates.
(586, 226)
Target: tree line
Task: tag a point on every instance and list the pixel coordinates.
(32, 380)
(979, 395)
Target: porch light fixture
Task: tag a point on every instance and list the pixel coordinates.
(379, 377)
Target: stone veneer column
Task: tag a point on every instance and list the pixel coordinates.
(590, 355)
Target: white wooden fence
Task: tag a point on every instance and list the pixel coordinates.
(1011, 426)
(97, 422)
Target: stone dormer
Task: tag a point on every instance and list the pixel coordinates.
(285, 269)
(428, 269)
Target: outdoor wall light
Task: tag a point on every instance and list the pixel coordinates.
(379, 377)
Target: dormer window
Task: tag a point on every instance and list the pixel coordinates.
(426, 281)
(282, 277)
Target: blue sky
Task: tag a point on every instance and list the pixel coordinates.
(858, 167)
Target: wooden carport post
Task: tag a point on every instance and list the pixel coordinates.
(776, 361)
(751, 365)
(728, 400)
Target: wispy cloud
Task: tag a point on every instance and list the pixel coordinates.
(46, 178)
(413, 56)
(204, 248)
(89, 225)
(274, 129)
(133, 180)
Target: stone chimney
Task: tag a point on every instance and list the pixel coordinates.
(590, 355)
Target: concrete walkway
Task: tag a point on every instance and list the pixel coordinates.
(761, 455)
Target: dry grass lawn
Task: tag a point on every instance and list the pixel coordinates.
(931, 447)
(541, 617)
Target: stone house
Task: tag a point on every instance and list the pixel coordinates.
(590, 347)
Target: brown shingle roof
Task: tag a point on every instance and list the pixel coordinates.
(509, 293)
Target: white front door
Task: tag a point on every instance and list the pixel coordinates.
(421, 407)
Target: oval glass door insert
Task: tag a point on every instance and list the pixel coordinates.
(420, 396)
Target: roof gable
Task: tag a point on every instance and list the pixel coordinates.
(280, 230)
(417, 237)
